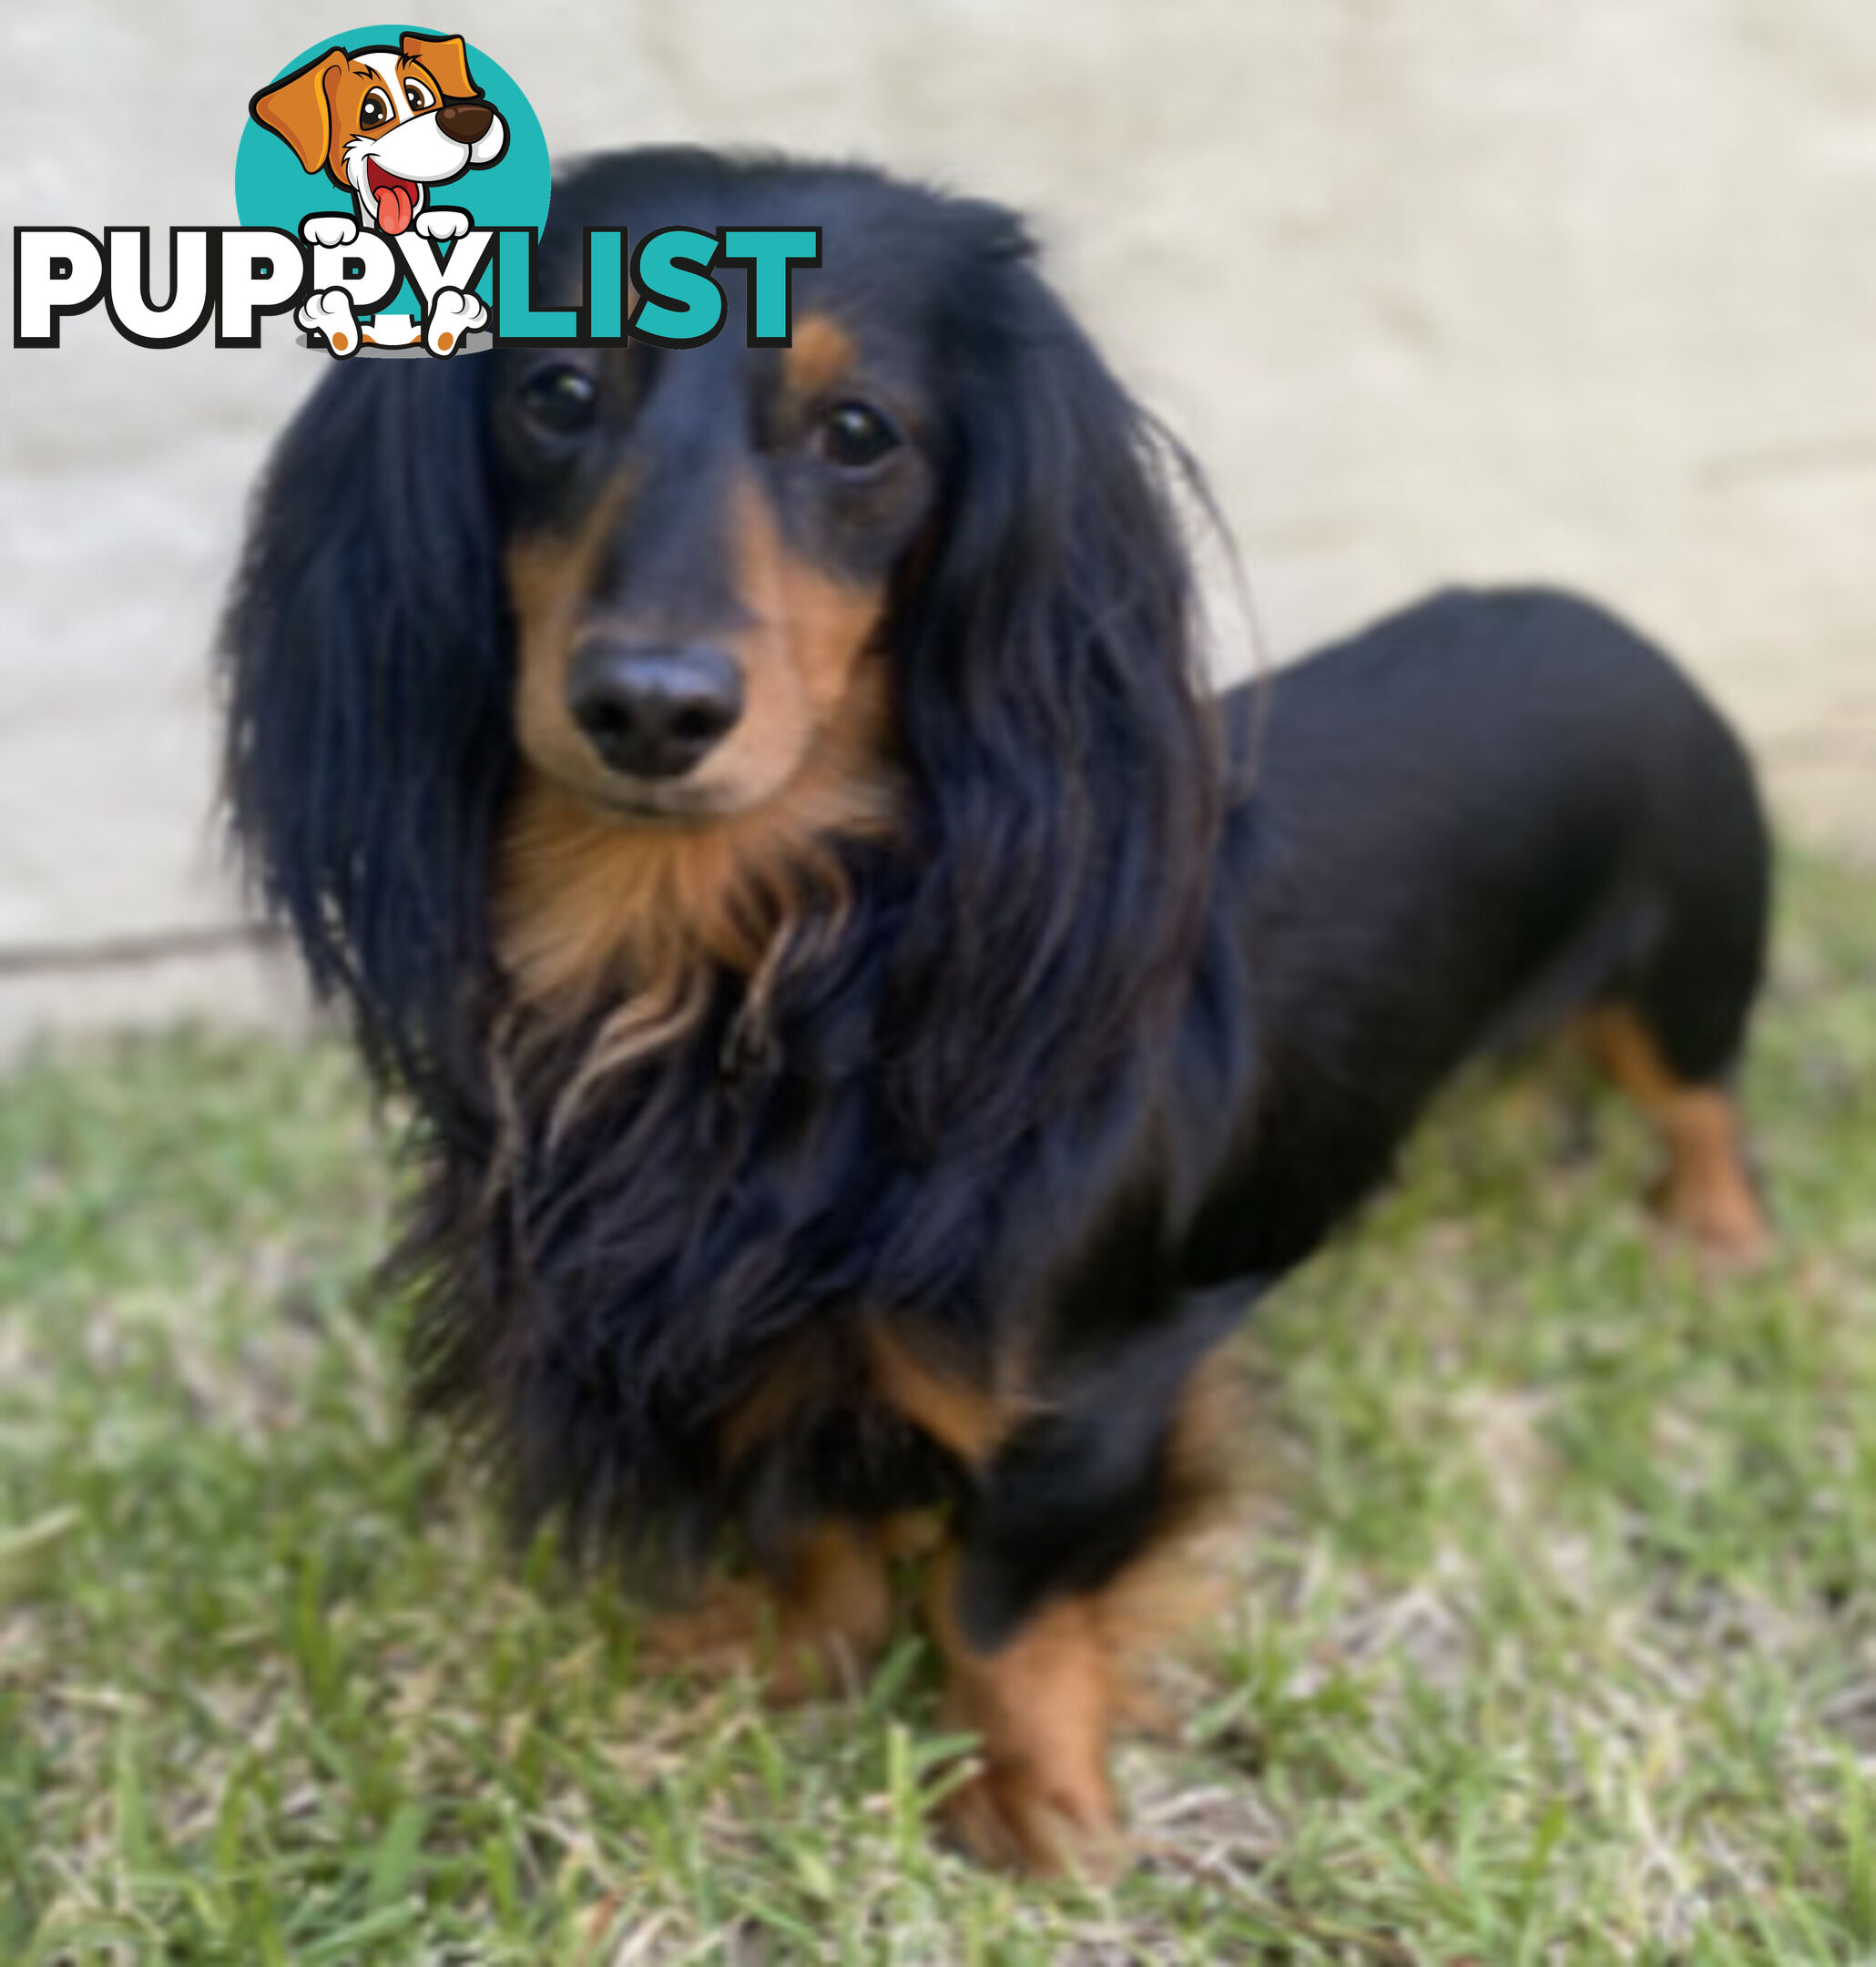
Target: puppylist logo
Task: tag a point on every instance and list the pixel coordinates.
(392, 186)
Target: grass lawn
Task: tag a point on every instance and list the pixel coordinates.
(1551, 1628)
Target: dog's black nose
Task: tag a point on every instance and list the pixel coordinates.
(653, 712)
(466, 122)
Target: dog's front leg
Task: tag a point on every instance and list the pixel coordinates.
(1073, 1557)
(442, 222)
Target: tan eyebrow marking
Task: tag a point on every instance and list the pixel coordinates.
(821, 353)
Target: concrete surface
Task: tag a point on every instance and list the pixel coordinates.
(1486, 288)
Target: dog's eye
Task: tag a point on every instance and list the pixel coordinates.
(560, 398)
(418, 97)
(374, 110)
(853, 435)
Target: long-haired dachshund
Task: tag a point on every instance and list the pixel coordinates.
(876, 1021)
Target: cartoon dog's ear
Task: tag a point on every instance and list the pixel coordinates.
(297, 109)
(446, 57)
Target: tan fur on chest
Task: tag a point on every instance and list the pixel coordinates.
(589, 906)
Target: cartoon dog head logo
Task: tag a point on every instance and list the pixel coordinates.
(387, 123)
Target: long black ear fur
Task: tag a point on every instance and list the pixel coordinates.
(367, 669)
(1063, 737)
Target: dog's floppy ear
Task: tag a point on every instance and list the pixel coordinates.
(366, 665)
(446, 57)
(1063, 739)
(298, 109)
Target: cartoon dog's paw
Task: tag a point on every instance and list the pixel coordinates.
(453, 314)
(330, 313)
(442, 221)
(328, 229)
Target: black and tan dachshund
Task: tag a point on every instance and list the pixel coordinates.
(874, 1020)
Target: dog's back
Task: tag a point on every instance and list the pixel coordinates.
(1478, 816)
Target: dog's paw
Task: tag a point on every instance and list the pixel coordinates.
(739, 1632)
(442, 222)
(330, 313)
(328, 229)
(1012, 1817)
(453, 315)
(1719, 1213)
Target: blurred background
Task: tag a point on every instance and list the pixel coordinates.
(1490, 288)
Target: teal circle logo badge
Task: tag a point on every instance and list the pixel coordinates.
(381, 149)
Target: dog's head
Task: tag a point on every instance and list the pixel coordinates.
(618, 632)
(386, 122)
(701, 545)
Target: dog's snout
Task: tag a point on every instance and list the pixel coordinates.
(653, 712)
(464, 122)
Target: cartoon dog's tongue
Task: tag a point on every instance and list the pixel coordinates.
(397, 198)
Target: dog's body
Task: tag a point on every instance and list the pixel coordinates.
(876, 1022)
(1481, 817)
